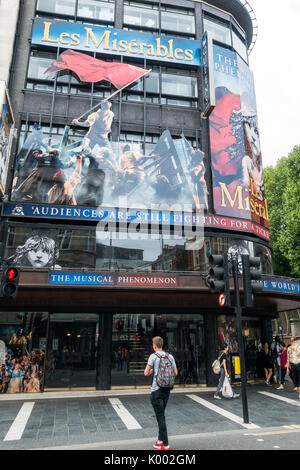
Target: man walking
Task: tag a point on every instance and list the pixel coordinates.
(160, 395)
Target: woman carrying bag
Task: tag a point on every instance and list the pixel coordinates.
(224, 374)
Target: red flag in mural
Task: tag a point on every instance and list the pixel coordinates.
(89, 69)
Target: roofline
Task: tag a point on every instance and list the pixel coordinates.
(243, 13)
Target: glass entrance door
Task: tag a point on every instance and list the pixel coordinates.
(183, 336)
(71, 351)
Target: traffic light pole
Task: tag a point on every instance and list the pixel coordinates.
(238, 312)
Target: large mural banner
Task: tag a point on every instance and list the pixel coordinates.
(236, 160)
(94, 171)
(6, 133)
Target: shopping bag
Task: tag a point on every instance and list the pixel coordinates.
(227, 391)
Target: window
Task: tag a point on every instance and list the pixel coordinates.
(11, 237)
(66, 81)
(37, 79)
(152, 82)
(62, 7)
(65, 237)
(38, 65)
(139, 16)
(221, 33)
(239, 46)
(146, 16)
(175, 89)
(179, 22)
(179, 85)
(96, 9)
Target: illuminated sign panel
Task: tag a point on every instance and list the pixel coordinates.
(94, 38)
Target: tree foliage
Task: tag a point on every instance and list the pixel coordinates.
(282, 184)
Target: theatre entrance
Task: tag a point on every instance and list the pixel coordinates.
(72, 351)
(132, 334)
(96, 351)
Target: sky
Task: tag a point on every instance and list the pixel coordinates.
(275, 62)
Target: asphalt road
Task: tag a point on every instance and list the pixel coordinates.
(115, 421)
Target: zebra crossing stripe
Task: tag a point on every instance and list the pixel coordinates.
(127, 418)
(17, 428)
(221, 411)
(286, 400)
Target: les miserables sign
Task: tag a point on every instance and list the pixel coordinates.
(96, 38)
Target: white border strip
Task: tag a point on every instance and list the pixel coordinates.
(226, 414)
(129, 421)
(17, 428)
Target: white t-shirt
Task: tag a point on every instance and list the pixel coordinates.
(154, 361)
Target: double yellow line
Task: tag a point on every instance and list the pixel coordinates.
(288, 429)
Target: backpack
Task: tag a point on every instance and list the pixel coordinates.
(165, 377)
(216, 366)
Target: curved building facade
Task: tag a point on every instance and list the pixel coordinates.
(137, 156)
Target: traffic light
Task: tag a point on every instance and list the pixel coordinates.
(9, 282)
(120, 325)
(251, 278)
(218, 276)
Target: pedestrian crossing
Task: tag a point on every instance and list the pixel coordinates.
(127, 418)
(227, 414)
(132, 413)
(16, 430)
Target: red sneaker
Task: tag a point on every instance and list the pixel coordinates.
(165, 447)
(158, 444)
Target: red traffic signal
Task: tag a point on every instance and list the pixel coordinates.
(9, 282)
(12, 273)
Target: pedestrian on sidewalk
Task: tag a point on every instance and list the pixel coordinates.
(268, 363)
(293, 362)
(283, 361)
(224, 372)
(159, 394)
(275, 354)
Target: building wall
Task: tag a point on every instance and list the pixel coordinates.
(9, 11)
(140, 118)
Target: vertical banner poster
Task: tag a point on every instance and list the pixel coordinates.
(236, 160)
(6, 133)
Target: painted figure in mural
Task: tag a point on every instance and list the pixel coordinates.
(130, 171)
(252, 161)
(62, 192)
(227, 137)
(38, 251)
(100, 172)
(48, 171)
(198, 178)
(99, 124)
(25, 158)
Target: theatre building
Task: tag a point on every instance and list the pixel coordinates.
(135, 155)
